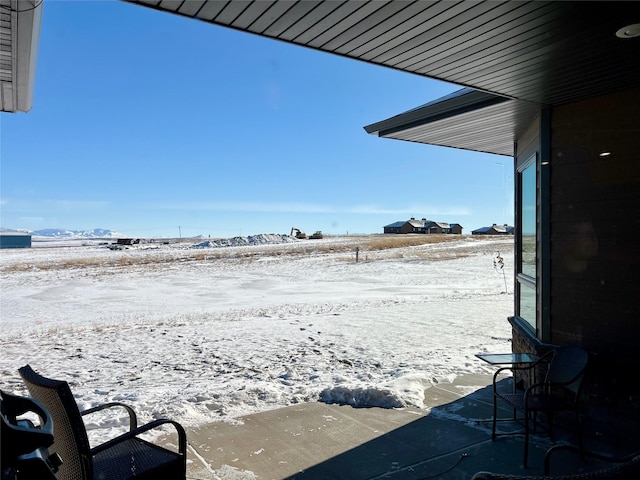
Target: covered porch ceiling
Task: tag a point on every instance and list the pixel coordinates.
(518, 55)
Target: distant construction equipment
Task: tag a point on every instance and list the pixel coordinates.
(300, 235)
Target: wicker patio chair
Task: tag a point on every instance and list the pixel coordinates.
(559, 391)
(123, 457)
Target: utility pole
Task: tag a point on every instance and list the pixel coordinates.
(180, 234)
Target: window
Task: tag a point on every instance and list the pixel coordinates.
(527, 241)
(528, 220)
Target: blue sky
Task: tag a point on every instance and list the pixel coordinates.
(151, 124)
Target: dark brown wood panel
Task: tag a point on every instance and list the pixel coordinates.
(564, 212)
(421, 38)
(310, 26)
(265, 18)
(346, 27)
(479, 34)
(246, 19)
(210, 10)
(595, 223)
(524, 20)
(289, 20)
(358, 33)
(172, 5)
(191, 8)
(506, 57)
(320, 25)
(398, 33)
(409, 17)
(230, 14)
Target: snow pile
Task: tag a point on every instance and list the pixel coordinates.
(362, 397)
(207, 244)
(262, 239)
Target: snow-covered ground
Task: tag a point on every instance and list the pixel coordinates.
(201, 333)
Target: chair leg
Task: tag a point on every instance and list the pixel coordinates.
(526, 439)
(579, 425)
(495, 413)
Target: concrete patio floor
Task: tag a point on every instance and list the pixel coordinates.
(315, 441)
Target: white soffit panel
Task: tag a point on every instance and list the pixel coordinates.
(19, 37)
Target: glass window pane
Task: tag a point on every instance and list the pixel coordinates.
(528, 221)
(528, 304)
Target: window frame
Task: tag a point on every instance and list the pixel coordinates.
(524, 280)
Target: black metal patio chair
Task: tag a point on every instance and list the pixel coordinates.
(24, 445)
(559, 391)
(126, 456)
(608, 468)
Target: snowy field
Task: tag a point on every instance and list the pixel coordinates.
(205, 333)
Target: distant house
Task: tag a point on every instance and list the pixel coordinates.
(408, 226)
(494, 230)
(423, 226)
(15, 240)
(442, 227)
(395, 227)
(456, 228)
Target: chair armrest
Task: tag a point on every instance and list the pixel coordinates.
(513, 369)
(13, 406)
(21, 436)
(531, 390)
(495, 377)
(133, 419)
(549, 386)
(182, 436)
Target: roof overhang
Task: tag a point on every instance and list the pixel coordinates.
(19, 37)
(467, 119)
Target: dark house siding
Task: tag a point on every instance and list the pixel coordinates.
(423, 226)
(435, 228)
(595, 226)
(595, 222)
(456, 229)
(494, 230)
(412, 227)
(395, 227)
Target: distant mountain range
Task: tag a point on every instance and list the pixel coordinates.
(64, 233)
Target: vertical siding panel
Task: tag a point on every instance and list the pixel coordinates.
(595, 255)
(596, 222)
